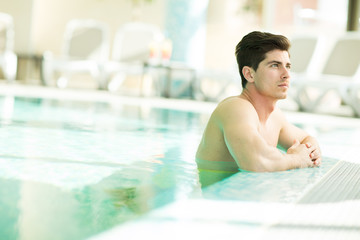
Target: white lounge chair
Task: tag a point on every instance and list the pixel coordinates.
(85, 50)
(8, 59)
(303, 58)
(341, 68)
(302, 52)
(351, 96)
(131, 51)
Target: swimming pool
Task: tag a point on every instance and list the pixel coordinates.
(75, 168)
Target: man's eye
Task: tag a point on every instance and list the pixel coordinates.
(274, 65)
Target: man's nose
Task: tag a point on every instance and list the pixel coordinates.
(285, 73)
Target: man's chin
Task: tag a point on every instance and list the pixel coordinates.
(282, 96)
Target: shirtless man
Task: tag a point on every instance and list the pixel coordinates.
(244, 131)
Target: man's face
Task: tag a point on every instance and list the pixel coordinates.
(272, 78)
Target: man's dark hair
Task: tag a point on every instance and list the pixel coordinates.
(252, 48)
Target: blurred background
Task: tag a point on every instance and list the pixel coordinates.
(90, 136)
(196, 43)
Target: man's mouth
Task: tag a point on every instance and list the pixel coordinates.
(284, 85)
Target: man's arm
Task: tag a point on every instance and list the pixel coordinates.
(250, 150)
(290, 133)
(315, 155)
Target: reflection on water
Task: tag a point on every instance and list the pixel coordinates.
(9, 196)
(33, 210)
(72, 170)
(42, 211)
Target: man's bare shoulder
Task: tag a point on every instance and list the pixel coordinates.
(234, 101)
(235, 108)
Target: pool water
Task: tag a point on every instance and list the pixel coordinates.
(75, 169)
(280, 187)
(70, 170)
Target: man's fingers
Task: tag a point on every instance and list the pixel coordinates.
(317, 162)
(315, 154)
(311, 150)
(296, 143)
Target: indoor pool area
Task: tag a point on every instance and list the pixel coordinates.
(86, 164)
(103, 105)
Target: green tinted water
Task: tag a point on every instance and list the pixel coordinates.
(70, 170)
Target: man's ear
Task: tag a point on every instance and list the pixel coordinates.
(248, 73)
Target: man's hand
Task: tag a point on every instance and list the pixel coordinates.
(304, 152)
(315, 155)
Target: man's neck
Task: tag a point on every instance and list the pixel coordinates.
(263, 105)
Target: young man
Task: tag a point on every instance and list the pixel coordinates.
(244, 131)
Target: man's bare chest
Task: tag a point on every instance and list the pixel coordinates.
(270, 133)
